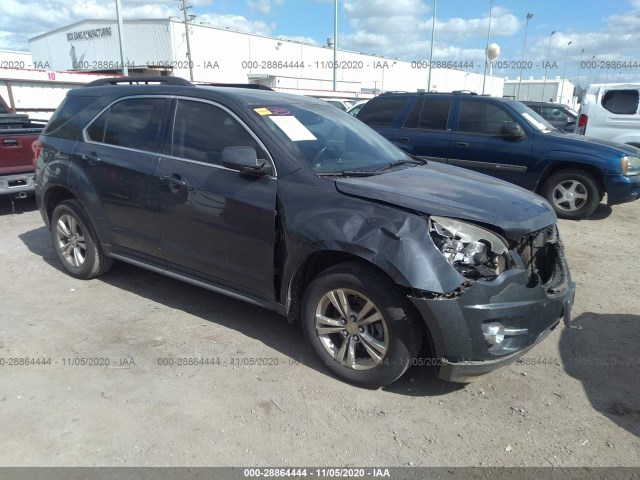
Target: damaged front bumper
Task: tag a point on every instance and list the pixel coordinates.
(455, 324)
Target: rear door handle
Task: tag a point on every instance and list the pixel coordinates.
(462, 144)
(92, 158)
(404, 139)
(10, 143)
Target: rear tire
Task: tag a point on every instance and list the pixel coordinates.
(360, 325)
(573, 194)
(76, 242)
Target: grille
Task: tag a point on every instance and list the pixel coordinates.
(543, 255)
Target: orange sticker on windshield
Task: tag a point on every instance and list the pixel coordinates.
(262, 111)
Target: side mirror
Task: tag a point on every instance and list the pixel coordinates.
(244, 159)
(512, 130)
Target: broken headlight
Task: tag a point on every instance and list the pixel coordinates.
(473, 251)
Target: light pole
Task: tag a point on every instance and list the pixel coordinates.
(125, 68)
(580, 68)
(335, 44)
(544, 85)
(564, 70)
(433, 31)
(590, 68)
(486, 49)
(524, 46)
(185, 10)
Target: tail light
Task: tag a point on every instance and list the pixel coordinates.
(582, 124)
(36, 146)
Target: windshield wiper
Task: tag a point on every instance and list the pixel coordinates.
(412, 161)
(367, 173)
(348, 173)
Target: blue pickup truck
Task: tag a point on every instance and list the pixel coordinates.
(506, 139)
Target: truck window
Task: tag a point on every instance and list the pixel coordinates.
(621, 102)
(483, 118)
(429, 114)
(381, 112)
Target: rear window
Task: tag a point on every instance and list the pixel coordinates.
(69, 108)
(380, 112)
(621, 102)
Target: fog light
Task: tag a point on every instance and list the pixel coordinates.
(493, 333)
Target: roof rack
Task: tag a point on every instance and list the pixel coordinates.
(253, 86)
(140, 80)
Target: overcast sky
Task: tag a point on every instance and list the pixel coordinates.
(397, 28)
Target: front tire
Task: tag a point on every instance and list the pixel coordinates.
(360, 325)
(76, 242)
(573, 194)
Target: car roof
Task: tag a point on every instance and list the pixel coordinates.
(241, 95)
(444, 94)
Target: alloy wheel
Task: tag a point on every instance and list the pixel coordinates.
(351, 329)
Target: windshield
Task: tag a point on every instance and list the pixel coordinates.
(532, 118)
(328, 140)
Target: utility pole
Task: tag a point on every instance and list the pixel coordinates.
(185, 10)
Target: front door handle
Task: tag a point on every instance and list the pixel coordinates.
(10, 143)
(462, 144)
(404, 139)
(174, 181)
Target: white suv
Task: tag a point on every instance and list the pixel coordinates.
(610, 112)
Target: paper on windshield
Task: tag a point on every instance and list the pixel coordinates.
(292, 128)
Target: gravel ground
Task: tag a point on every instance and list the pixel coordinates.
(574, 400)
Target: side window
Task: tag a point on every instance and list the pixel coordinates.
(95, 132)
(381, 112)
(622, 102)
(201, 131)
(69, 108)
(429, 114)
(132, 123)
(483, 118)
(435, 114)
(414, 115)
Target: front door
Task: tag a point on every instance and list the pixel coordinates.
(218, 223)
(476, 142)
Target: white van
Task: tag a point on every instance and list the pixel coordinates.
(610, 112)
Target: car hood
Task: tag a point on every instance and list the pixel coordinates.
(445, 190)
(590, 143)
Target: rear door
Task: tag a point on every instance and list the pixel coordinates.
(426, 132)
(476, 142)
(218, 223)
(120, 158)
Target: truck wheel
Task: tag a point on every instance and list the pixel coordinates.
(76, 243)
(360, 325)
(573, 194)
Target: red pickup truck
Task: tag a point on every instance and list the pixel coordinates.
(17, 134)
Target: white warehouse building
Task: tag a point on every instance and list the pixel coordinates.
(159, 47)
(555, 90)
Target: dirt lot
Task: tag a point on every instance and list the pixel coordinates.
(574, 400)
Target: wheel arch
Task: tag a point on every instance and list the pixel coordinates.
(558, 166)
